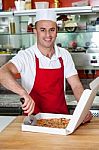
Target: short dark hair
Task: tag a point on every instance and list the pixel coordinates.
(36, 24)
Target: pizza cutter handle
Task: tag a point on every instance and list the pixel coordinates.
(22, 100)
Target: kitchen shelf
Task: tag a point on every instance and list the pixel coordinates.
(6, 14)
(31, 33)
(62, 10)
(84, 33)
(66, 10)
(95, 9)
(20, 33)
(77, 32)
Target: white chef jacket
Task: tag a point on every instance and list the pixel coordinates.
(26, 65)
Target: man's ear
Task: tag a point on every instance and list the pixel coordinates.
(57, 29)
(34, 30)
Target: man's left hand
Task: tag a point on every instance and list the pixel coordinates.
(88, 117)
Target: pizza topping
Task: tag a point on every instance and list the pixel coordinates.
(53, 123)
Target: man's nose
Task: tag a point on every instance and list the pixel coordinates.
(48, 33)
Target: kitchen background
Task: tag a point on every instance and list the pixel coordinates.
(77, 32)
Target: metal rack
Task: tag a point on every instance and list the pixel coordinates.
(66, 10)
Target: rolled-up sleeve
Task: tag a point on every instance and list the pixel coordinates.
(69, 66)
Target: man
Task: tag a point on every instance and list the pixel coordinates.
(43, 69)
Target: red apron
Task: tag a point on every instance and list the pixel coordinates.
(48, 90)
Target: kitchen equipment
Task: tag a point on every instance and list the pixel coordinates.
(92, 50)
(30, 25)
(1, 4)
(70, 25)
(94, 3)
(95, 113)
(80, 3)
(28, 4)
(29, 120)
(12, 25)
(20, 5)
(60, 22)
(56, 3)
(41, 5)
(5, 58)
(82, 59)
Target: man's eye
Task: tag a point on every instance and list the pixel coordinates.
(52, 29)
(42, 30)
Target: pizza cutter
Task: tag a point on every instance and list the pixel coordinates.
(31, 119)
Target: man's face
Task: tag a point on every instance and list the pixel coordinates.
(46, 32)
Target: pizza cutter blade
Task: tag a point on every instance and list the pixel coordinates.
(29, 120)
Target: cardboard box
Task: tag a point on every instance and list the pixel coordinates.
(76, 119)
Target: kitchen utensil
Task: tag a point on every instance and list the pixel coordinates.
(70, 25)
(20, 5)
(41, 5)
(29, 120)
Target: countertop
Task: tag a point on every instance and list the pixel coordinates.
(5, 121)
(85, 137)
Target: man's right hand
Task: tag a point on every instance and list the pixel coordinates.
(28, 105)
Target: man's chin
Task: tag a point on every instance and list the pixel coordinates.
(49, 45)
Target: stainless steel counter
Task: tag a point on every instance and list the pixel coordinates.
(72, 101)
(13, 100)
(9, 100)
(86, 60)
(10, 104)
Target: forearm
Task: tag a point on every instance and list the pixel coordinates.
(78, 90)
(76, 86)
(8, 80)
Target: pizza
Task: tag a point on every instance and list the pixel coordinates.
(53, 122)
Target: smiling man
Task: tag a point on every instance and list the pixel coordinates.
(43, 68)
(46, 32)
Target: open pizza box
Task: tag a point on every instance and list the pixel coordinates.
(76, 119)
